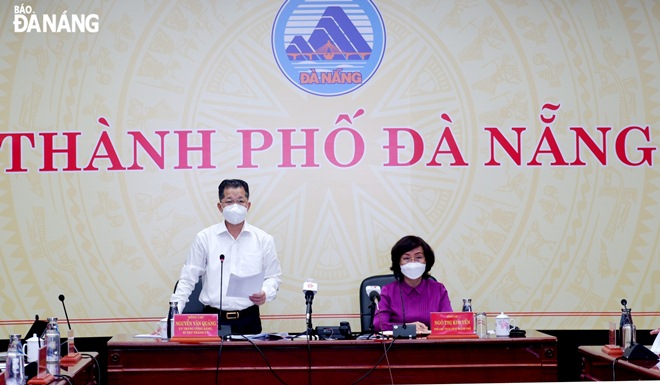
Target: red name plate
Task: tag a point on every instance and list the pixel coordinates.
(449, 323)
(195, 325)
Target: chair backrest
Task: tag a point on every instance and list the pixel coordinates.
(193, 306)
(365, 313)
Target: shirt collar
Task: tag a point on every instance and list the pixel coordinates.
(222, 228)
(408, 289)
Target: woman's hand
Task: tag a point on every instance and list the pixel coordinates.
(656, 331)
(420, 328)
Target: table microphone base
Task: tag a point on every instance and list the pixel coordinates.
(639, 352)
(224, 331)
(70, 359)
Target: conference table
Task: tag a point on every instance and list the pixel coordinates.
(600, 366)
(533, 358)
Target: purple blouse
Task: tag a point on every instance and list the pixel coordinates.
(418, 303)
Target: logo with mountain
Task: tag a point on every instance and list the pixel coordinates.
(328, 48)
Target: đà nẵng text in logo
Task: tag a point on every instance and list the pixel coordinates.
(328, 47)
(27, 20)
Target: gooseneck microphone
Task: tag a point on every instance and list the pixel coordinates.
(61, 297)
(72, 356)
(403, 309)
(224, 331)
(636, 351)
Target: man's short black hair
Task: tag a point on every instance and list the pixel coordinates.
(233, 183)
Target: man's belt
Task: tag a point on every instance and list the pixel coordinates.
(233, 314)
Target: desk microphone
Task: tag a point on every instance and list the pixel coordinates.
(636, 351)
(403, 309)
(224, 331)
(401, 332)
(374, 296)
(61, 297)
(73, 356)
(309, 288)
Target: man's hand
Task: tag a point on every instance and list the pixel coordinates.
(258, 298)
(656, 331)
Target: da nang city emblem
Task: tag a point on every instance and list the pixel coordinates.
(328, 48)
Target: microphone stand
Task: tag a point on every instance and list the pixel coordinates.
(372, 315)
(309, 298)
(72, 356)
(636, 351)
(224, 331)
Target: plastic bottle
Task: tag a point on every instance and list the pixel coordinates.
(15, 370)
(467, 304)
(174, 309)
(626, 318)
(481, 325)
(53, 347)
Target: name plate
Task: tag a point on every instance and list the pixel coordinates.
(450, 323)
(195, 325)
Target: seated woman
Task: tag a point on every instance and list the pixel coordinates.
(413, 296)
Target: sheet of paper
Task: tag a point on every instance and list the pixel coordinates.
(153, 335)
(244, 287)
(656, 345)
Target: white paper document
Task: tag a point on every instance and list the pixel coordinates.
(244, 287)
(656, 345)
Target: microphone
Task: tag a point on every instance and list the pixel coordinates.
(374, 293)
(224, 331)
(61, 297)
(636, 351)
(309, 288)
(73, 356)
(374, 296)
(403, 309)
(403, 331)
(627, 317)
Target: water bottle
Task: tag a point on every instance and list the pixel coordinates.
(467, 304)
(53, 347)
(628, 336)
(15, 369)
(174, 309)
(481, 327)
(626, 318)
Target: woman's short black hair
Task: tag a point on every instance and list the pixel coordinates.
(233, 183)
(406, 244)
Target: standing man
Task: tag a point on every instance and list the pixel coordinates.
(247, 250)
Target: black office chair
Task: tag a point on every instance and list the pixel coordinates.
(193, 306)
(365, 311)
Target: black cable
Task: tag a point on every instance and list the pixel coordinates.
(614, 367)
(265, 359)
(387, 358)
(217, 362)
(68, 379)
(377, 363)
(96, 363)
(389, 366)
(309, 358)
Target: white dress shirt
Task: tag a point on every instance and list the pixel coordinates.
(251, 252)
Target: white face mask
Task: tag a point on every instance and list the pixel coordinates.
(413, 270)
(235, 213)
